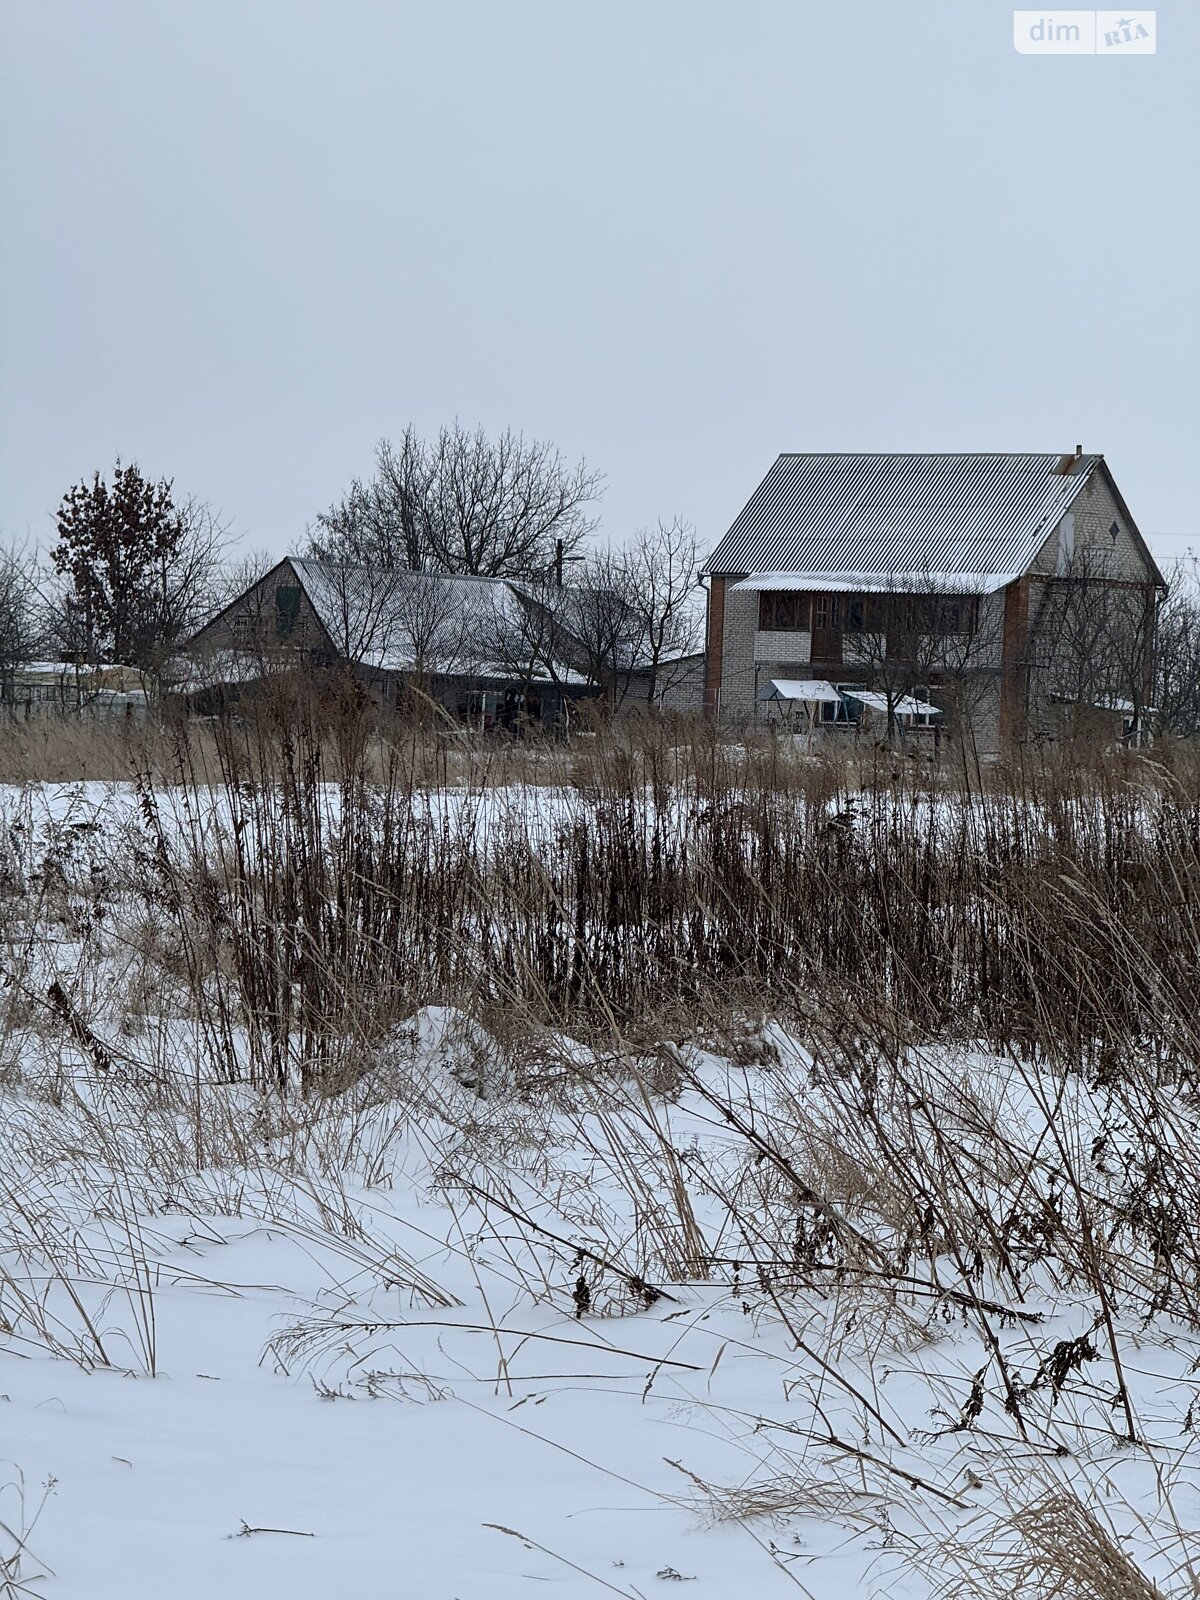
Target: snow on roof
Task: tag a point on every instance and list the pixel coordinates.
(393, 620)
(906, 706)
(917, 582)
(1116, 702)
(810, 689)
(112, 676)
(187, 673)
(72, 669)
(1106, 702)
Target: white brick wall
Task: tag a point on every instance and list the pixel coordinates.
(863, 647)
(737, 654)
(785, 645)
(1090, 520)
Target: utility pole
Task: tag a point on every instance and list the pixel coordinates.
(560, 559)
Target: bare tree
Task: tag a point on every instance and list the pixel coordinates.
(1091, 644)
(1177, 659)
(392, 621)
(660, 580)
(462, 503)
(382, 523)
(523, 634)
(356, 605)
(624, 618)
(599, 631)
(22, 622)
(433, 620)
(187, 584)
(938, 640)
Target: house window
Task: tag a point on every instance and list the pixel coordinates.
(954, 614)
(932, 613)
(843, 712)
(782, 611)
(923, 719)
(287, 609)
(855, 613)
(863, 613)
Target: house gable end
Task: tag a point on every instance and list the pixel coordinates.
(1153, 571)
(197, 640)
(1098, 520)
(220, 632)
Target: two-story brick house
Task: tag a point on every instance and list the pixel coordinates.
(1012, 591)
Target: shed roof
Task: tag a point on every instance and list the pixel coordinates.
(812, 690)
(847, 514)
(908, 705)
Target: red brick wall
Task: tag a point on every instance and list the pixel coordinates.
(1014, 671)
(716, 633)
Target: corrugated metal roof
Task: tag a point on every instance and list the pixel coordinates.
(449, 623)
(947, 514)
(388, 619)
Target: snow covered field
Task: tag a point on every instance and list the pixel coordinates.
(411, 1322)
(757, 1313)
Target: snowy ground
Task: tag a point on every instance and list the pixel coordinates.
(509, 1312)
(350, 1361)
(387, 1455)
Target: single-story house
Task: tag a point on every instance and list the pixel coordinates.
(478, 648)
(50, 688)
(489, 652)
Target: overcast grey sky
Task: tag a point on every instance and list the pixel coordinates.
(240, 240)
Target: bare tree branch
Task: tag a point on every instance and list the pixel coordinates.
(1177, 675)
(462, 503)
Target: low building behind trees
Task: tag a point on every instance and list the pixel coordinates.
(475, 650)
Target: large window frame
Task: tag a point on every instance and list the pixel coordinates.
(864, 613)
(784, 611)
(834, 611)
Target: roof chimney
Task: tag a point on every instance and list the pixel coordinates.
(1078, 451)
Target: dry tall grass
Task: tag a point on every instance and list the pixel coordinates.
(1052, 909)
(975, 1098)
